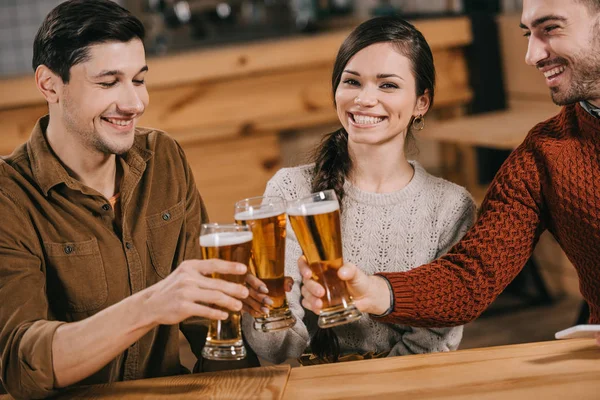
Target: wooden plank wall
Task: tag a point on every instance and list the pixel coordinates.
(228, 106)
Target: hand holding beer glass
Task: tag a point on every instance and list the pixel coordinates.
(266, 218)
(231, 243)
(316, 223)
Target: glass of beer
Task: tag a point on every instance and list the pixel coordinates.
(266, 217)
(230, 242)
(316, 223)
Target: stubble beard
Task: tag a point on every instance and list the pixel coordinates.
(90, 138)
(585, 79)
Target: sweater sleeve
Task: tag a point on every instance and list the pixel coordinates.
(276, 347)
(459, 286)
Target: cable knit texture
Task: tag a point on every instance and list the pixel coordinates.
(551, 181)
(381, 233)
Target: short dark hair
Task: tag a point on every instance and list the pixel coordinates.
(70, 28)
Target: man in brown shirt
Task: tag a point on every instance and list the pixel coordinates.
(96, 214)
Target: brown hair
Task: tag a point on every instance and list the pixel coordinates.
(332, 159)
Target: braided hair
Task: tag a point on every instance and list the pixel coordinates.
(332, 158)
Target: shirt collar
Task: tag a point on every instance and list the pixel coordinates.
(48, 171)
(590, 108)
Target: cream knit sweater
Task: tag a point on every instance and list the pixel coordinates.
(385, 232)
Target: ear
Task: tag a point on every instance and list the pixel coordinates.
(48, 83)
(423, 103)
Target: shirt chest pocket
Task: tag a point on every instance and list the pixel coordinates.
(80, 270)
(164, 231)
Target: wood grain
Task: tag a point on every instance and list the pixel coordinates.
(504, 129)
(253, 383)
(201, 65)
(548, 370)
(227, 106)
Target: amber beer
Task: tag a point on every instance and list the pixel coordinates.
(231, 243)
(267, 220)
(316, 223)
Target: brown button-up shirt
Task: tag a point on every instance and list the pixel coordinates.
(62, 259)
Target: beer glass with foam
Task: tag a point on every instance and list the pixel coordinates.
(267, 220)
(315, 220)
(230, 242)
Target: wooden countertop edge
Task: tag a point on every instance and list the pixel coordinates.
(248, 59)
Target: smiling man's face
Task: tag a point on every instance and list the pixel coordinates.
(564, 44)
(105, 97)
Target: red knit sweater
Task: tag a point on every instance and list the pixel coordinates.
(551, 181)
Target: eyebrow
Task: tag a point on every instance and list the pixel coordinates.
(543, 19)
(379, 76)
(116, 72)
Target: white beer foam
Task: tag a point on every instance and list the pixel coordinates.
(321, 207)
(225, 239)
(257, 214)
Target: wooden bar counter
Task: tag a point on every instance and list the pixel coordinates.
(559, 370)
(227, 106)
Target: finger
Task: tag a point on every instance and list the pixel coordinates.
(347, 272)
(311, 299)
(313, 288)
(213, 265)
(261, 298)
(215, 297)
(303, 267)
(288, 284)
(256, 283)
(253, 304)
(315, 305)
(201, 310)
(252, 312)
(229, 288)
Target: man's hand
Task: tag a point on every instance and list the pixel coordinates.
(189, 291)
(258, 302)
(371, 294)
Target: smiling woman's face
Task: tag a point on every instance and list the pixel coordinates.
(376, 96)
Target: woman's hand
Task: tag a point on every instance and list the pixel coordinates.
(258, 302)
(371, 294)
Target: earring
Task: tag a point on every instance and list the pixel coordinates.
(418, 122)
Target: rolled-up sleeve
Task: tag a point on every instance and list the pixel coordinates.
(26, 332)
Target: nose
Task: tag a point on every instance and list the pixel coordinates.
(131, 99)
(366, 97)
(536, 51)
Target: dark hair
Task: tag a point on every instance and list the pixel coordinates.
(70, 28)
(332, 160)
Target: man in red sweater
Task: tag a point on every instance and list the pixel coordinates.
(550, 182)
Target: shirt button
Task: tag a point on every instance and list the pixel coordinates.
(128, 245)
(69, 249)
(105, 207)
(166, 216)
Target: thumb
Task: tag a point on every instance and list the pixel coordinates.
(357, 281)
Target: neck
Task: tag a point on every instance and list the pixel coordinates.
(379, 169)
(94, 169)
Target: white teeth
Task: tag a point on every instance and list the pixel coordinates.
(366, 120)
(554, 71)
(119, 121)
